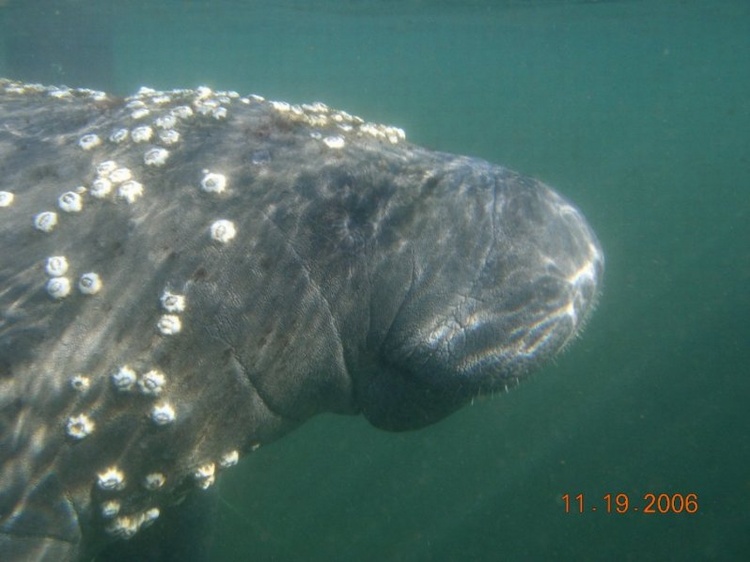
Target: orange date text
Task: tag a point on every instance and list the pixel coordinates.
(649, 503)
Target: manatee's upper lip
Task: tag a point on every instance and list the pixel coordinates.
(513, 319)
(493, 338)
(481, 348)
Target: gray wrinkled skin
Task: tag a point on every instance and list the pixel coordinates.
(357, 274)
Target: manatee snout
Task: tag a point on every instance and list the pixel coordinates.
(532, 270)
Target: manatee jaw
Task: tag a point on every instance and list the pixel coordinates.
(535, 290)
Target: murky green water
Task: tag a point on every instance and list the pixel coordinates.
(640, 113)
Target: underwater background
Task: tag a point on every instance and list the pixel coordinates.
(639, 112)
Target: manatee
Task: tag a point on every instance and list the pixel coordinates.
(187, 275)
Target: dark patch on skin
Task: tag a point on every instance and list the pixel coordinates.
(199, 274)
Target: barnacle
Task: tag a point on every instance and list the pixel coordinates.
(223, 231)
(111, 479)
(213, 182)
(90, 283)
(163, 414)
(79, 426)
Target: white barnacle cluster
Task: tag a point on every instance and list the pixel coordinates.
(80, 383)
(148, 516)
(166, 122)
(229, 459)
(102, 185)
(182, 112)
(120, 175)
(119, 135)
(89, 141)
(6, 198)
(68, 202)
(56, 266)
(104, 169)
(130, 191)
(316, 113)
(334, 141)
(100, 188)
(111, 479)
(18, 88)
(46, 221)
(60, 93)
(172, 302)
(126, 526)
(109, 174)
(205, 475)
(222, 231)
(55, 92)
(393, 135)
(280, 106)
(58, 287)
(110, 508)
(163, 414)
(213, 182)
(320, 118)
(90, 283)
(144, 92)
(207, 102)
(152, 383)
(96, 95)
(140, 113)
(220, 113)
(156, 156)
(209, 107)
(148, 102)
(169, 137)
(124, 379)
(154, 481)
(80, 426)
(160, 98)
(138, 109)
(346, 118)
(142, 134)
(71, 201)
(169, 324)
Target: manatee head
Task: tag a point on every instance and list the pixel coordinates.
(490, 274)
